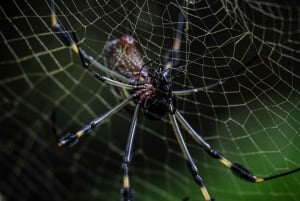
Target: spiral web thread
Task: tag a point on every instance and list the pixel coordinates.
(253, 118)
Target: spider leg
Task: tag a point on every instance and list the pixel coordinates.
(71, 41)
(132, 85)
(72, 138)
(190, 162)
(236, 168)
(60, 31)
(196, 90)
(126, 190)
(172, 56)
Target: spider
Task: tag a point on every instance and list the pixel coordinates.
(148, 89)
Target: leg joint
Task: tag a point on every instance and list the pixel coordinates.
(194, 171)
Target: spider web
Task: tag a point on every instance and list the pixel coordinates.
(253, 118)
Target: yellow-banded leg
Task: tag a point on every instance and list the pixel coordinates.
(236, 168)
(244, 173)
(72, 138)
(190, 162)
(126, 194)
(61, 33)
(88, 61)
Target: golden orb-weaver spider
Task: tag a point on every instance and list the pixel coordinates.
(149, 89)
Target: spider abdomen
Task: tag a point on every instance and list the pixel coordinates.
(123, 56)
